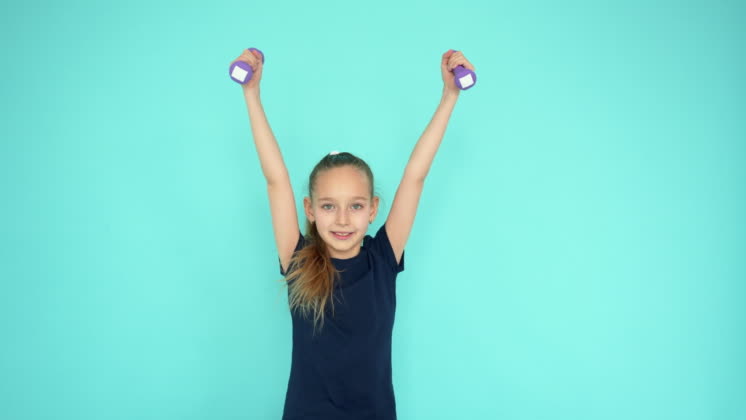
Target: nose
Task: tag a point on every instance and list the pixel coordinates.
(342, 217)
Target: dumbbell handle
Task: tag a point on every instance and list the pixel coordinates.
(240, 71)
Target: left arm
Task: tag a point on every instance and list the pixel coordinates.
(401, 216)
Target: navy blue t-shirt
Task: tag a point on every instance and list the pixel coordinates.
(344, 371)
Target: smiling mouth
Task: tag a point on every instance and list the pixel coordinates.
(340, 235)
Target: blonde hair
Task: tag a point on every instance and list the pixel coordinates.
(311, 274)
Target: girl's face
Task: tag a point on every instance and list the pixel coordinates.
(342, 204)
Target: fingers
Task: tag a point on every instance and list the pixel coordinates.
(452, 58)
(253, 58)
(447, 56)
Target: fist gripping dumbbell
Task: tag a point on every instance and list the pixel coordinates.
(241, 71)
(464, 77)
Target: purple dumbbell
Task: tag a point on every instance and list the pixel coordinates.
(241, 72)
(464, 77)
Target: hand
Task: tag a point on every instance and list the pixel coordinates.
(254, 59)
(450, 60)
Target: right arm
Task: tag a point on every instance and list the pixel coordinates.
(279, 189)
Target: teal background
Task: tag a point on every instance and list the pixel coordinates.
(579, 250)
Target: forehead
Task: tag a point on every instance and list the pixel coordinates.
(342, 183)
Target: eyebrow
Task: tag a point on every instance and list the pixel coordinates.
(331, 199)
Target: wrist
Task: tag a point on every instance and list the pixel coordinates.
(450, 94)
(251, 93)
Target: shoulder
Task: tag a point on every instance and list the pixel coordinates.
(380, 248)
(302, 242)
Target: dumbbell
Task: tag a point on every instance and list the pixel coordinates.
(464, 77)
(240, 71)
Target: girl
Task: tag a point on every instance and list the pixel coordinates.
(337, 274)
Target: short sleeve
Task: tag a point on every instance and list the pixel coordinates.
(381, 246)
(299, 245)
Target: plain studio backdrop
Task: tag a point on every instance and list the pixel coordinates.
(579, 250)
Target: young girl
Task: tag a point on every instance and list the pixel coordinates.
(341, 281)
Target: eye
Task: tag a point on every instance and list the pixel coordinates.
(357, 204)
(323, 206)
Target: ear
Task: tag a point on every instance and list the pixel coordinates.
(308, 209)
(374, 207)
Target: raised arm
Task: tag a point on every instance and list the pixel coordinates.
(279, 189)
(403, 209)
(401, 216)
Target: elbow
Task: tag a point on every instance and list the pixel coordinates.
(415, 176)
